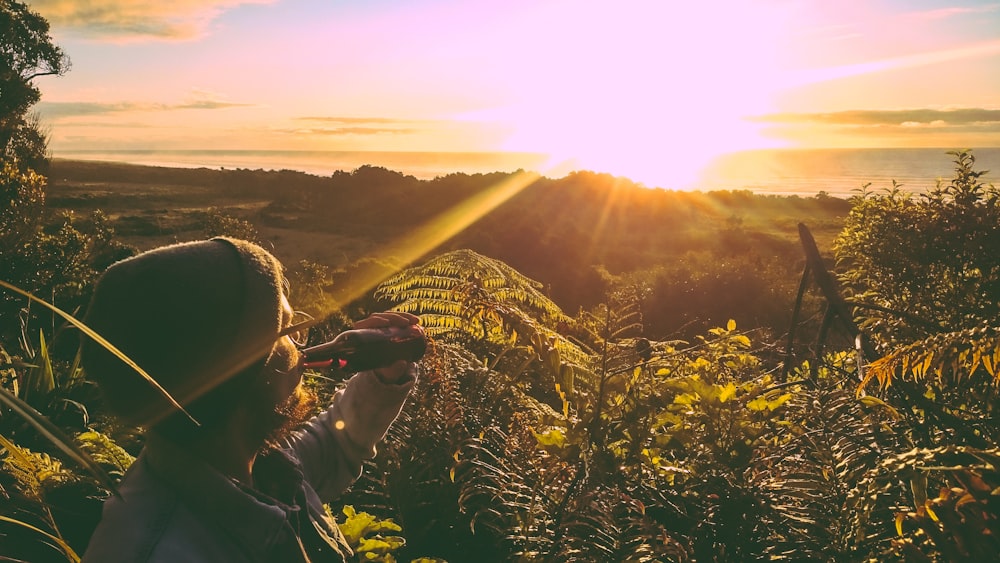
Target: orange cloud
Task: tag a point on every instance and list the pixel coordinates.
(923, 116)
(131, 20)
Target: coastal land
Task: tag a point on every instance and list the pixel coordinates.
(576, 234)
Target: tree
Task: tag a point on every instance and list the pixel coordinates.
(929, 263)
(26, 52)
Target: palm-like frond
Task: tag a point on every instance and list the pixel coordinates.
(946, 506)
(952, 356)
(610, 525)
(810, 475)
(32, 470)
(429, 288)
(105, 452)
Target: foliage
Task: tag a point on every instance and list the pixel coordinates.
(58, 259)
(826, 442)
(531, 436)
(486, 283)
(23, 194)
(309, 282)
(26, 52)
(55, 504)
(697, 291)
(32, 470)
(931, 263)
(105, 452)
(364, 533)
(948, 357)
(926, 277)
(958, 524)
(220, 224)
(475, 299)
(33, 473)
(616, 228)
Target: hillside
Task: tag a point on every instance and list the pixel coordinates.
(574, 234)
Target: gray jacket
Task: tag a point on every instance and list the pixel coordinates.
(173, 507)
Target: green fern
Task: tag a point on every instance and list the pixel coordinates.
(472, 298)
(943, 504)
(610, 525)
(436, 289)
(810, 472)
(104, 451)
(33, 470)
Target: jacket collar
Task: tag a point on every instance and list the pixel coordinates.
(253, 520)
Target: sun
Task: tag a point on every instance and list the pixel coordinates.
(655, 100)
(670, 155)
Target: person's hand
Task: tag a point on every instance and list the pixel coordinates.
(398, 372)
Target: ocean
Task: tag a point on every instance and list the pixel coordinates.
(804, 172)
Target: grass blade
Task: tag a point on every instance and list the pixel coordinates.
(100, 340)
(70, 554)
(56, 436)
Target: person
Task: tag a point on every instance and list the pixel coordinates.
(242, 472)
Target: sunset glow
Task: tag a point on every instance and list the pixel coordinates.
(644, 89)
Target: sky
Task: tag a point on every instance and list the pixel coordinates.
(649, 89)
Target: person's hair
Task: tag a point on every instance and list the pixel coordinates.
(201, 318)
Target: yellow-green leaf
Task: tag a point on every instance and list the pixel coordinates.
(727, 392)
(772, 405)
(876, 402)
(758, 404)
(551, 437)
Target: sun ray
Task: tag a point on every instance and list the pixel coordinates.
(412, 247)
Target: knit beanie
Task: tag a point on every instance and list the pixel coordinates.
(193, 316)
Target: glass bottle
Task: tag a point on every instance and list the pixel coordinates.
(367, 348)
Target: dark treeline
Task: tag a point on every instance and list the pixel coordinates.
(699, 257)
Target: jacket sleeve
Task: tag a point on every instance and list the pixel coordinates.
(332, 446)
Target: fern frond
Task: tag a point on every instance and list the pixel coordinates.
(943, 503)
(106, 452)
(32, 470)
(810, 476)
(447, 271)
(951, 355)
(611, 525)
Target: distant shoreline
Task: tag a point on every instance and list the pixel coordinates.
(803, 172)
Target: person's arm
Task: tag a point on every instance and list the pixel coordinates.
(333, 445)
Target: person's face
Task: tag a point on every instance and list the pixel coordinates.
(289, 402)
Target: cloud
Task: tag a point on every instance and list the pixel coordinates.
(987, 48)
(59, 110)
(338, 131)
(206, 104)
(346, 125)
(942, 13)
(349, 120)
(136, 19)
(960, 117)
